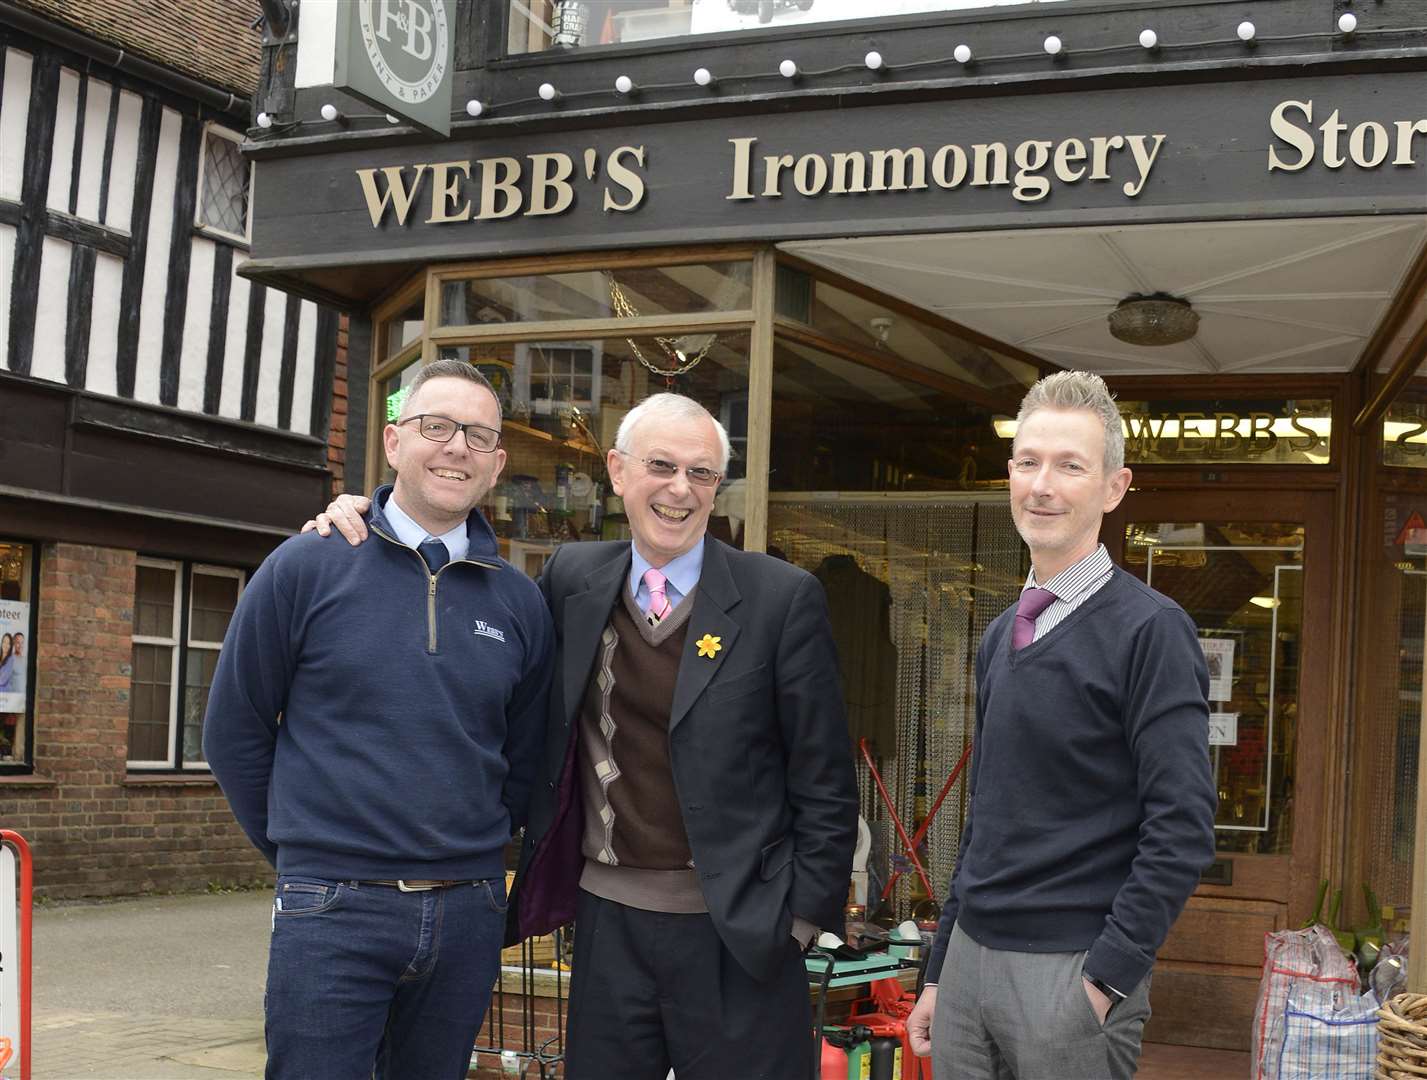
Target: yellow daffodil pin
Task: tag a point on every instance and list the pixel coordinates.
(708, 645)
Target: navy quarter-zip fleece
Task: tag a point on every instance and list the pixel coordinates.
(371, 720)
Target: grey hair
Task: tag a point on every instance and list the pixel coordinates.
(449, 369)
(675, 408)
(1069, 390)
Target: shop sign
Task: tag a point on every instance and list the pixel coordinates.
(1200, 432)
(396, 55)
(1212, 150)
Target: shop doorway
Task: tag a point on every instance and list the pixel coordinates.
(1253, 570)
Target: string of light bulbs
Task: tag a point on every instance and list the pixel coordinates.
(1246, 33)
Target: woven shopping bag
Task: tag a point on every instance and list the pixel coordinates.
(1312, 963)
(1329, 1033)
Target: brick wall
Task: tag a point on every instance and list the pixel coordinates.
(95, 831)
(507, 1031)
(337, 436)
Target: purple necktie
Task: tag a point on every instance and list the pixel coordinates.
(1032, 603)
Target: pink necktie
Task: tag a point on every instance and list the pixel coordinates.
(1028, 609)
(659, 605)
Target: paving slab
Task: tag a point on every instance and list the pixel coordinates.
(156, 988)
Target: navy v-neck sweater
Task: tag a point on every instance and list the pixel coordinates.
(1092, 799)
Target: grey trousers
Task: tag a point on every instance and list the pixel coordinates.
(1024, 1016)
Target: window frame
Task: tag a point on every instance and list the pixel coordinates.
(183, 644)
(211, 127)
(525, 355)
(26, 766)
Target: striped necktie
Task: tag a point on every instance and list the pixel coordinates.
(659, 605)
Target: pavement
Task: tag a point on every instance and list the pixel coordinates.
(171, 988)
(158, 988)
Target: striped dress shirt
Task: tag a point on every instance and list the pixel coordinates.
(1072, 587)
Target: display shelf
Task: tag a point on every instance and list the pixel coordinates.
(581, 445)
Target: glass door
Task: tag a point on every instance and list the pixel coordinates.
(1252, 570)
(1242, 583)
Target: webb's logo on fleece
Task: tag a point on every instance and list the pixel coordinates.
(485, 629)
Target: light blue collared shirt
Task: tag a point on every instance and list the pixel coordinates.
(683, 574)
(457, 542)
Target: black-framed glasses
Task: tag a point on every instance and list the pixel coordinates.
(697, 474)
(442, 429)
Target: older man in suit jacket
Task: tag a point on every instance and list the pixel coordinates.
(698, 808)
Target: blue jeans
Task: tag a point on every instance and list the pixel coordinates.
(366, 980)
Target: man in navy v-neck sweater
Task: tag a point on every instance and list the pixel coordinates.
(1092, 798)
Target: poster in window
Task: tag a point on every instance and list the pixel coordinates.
(1223, 729)
(14, 654)
(1219, 656)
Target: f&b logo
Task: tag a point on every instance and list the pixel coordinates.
(407, 43)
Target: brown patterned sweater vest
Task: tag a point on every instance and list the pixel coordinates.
(636, 851)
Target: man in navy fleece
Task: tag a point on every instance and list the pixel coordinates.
(1092, 800)
(376, 721)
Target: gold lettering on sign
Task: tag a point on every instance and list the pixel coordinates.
(742, 172)
(499, 177)
(849, 173)
(1223, 435)
(550, 190)
(898, 160)
(495, 188)
(629, 180)
(1038, 163)
(1184, 444)
(1369, 142)
(446, 189)
(397, 195)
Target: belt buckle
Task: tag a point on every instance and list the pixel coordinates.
(404, 887)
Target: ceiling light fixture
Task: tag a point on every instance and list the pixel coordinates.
(1158, 319)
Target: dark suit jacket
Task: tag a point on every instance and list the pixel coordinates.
(757, 736)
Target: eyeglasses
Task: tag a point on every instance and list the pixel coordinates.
(442, 429)
(697, 474)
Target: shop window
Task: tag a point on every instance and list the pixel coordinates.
(18, 643)
(558, 376)
(859, 320)
(1404, 427)
(537, 25)
(626, 292)
(403, 330)
(1391, 629)
(223, 185)
(181, 612)
(563, 403)
(888, 485)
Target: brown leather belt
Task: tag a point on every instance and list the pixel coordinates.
(410, 885)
